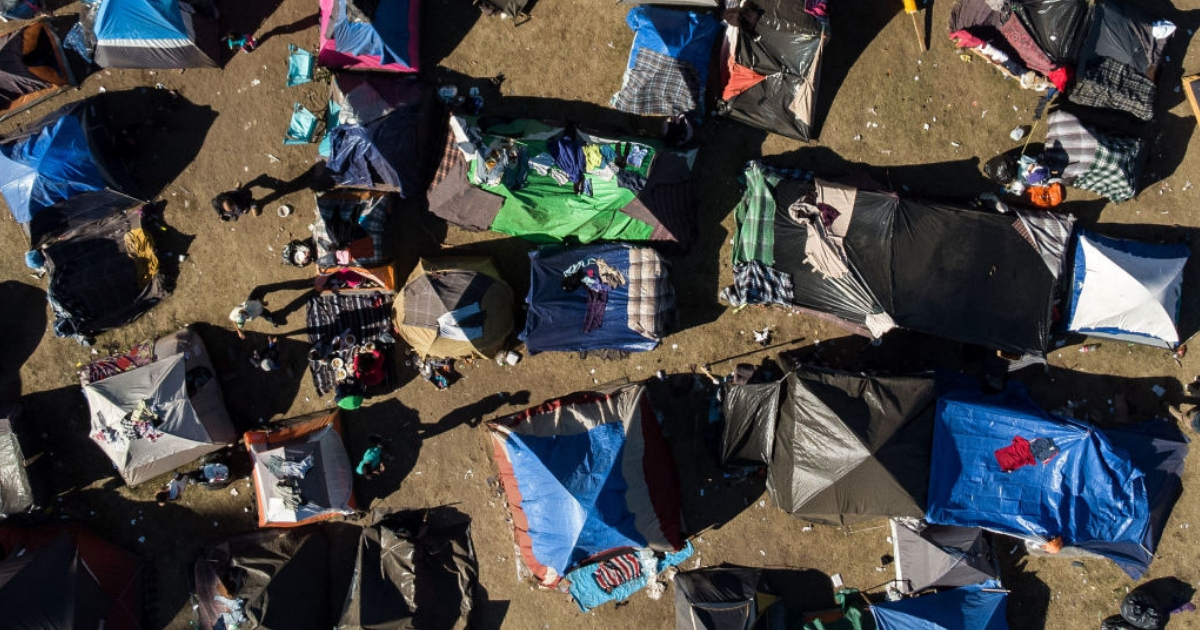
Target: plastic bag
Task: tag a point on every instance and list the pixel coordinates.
(1001, 169)
(1142, 610)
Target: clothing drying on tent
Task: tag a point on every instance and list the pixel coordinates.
(598, 297)
(32, 68)
(370, 35)
(1093, 160)
(551, 184)
(980, 607)
(870, 260)
(104, 271)
(1007, 466)
(1100, 54)
(941, 556)
(589, 477)
(154, 34)
(341, 325)
(668, 64)
(379, 130)
(16, 489)
(850, 447)
(1127, 290)
(353, 229)
(157, 417)
(771, 68)
(302, 473)
(750, 412)
(66, 578)
(455, 307)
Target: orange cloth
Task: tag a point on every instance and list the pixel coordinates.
(739, 79)
(1053, 545)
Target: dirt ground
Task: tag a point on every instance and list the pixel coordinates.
(877, 93)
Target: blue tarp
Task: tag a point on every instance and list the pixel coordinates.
(50, 165)
(684, 35)
(1091, 493)
(140, 20)
(980, 607)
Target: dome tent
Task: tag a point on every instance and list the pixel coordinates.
(455, 307)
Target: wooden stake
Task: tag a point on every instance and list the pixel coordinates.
(920, 37)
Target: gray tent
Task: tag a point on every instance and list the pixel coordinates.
(750, 413)
(16, 492)
(850, 446)
(158, 417)
(941, 556)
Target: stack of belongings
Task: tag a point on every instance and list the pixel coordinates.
(157, 407)
(613, 297)
(1100, 54)
(549, 184)
(302, 473)
(370, 35)
(870, 261)
(668, 63)
(1085, 156)
(380, 130)
(411, 569)
(32, 67)
(771, 65)
(593, 491)
(454, 308)
(1064, 486)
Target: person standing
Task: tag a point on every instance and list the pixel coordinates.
(372, 459)
(248, 310)
(232, 204)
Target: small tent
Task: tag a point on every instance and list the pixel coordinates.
(980, 607)
(370, 35)
(157, 417)
(586, 474)
(941, 556)
(1088, 158)
(1127, 290)
(155, 34)
(750, 412)
(302, 473)
(668, 63)
(16, 489)
(540, 171)
(598, 297)
(66, 578)
(850, 447)
(770, 72)
(32, 68)
(717, 598)
(455, 307)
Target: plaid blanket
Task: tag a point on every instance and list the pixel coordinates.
(756, 283)
(651, 308)
(659, 85)
(1114, 172)
(1070, 147)
(371, 214)
(1111, 84)
(755, 238)
(331, 314)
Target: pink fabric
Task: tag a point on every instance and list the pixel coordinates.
(964, 39)
(330, 57)
(1022, 42)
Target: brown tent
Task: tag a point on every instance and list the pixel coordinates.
(454, 307)
(32, 67)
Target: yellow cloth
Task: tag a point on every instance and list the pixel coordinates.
(593, 157)
(140, 248)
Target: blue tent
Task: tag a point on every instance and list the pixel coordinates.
(152, 34)
(597, 297)
(370, 35)
(668, 63)
(979, 607)
(1094, 493)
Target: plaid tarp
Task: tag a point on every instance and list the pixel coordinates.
(331, 314)
(651, 308)
(1114, 85)
(1070, 147)
(756, 283)
(1114, 173)
(371, 214)
(659, 85)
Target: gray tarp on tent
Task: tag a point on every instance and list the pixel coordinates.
(185, 425)
(717, 598)
(941, 556)
(16, 493)
(850, 446)
(750, 412)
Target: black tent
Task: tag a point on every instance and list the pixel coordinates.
(750, 411)
(851, 446)
(717, 598)
(941, 556)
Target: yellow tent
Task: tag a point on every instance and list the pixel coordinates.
(454, 307)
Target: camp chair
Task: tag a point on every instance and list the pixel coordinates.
(300, 66)
(302, 127)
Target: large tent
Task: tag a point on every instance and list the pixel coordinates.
(598, 297)
(66, 578)
(668, 63)
(941, 556)
(16, 489)
(32, 68)
(454, 307)
(381, 129)
(370, 35)
(871, 260)
(980, 607)
(770, 73)
(156, 34)
(1127, 290)
(850, 447)
(157, 417)
(639, 191)
(586, 474)
(1104, 492)
(302, 473)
